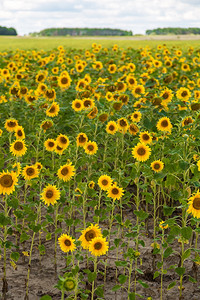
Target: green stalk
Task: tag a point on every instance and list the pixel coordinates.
(162, 261)
(5, 284)
(93, 282)
(129, 275)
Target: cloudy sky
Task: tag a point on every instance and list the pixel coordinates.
(137, 15)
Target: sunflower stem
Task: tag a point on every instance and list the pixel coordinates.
(93, 282)
(5, 284)
(162, 261)
(56, 235)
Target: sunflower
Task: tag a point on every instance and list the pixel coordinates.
(111, 127)
(8, 180)
(17, 166)
(38, 165)
(59, 150)
(46, 125)
(77, 105)
(164, 124)
(133, 129)
(50, 144)
(19, 133)
(66, 172)
(112, 68)
(40, 77)
(187, 121)
(122, 125)
(30, 172)
(105, 182)
(89, 234)
(64, 81)
(62, 141)
(117, 105)
(18, 148)
(90, 147)
(120, 87)
(166, 95)
(145, 137)
(66, 243)
(138, 90)
(98, 246)
(157, 165)
(81, 139)
(103, 117)
(50, 194)
(53, 110)
(92, 114)
(183, 94)
(194, 205)
(131, 80)
(88, 103)
(50, 94)
(115, 192)
(1, 131)
(141, 152)
(109, 96)
(91, 184)
(11, 125)
(136, 116)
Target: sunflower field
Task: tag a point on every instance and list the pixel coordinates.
(99, 173)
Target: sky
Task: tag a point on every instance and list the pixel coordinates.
(28, 16)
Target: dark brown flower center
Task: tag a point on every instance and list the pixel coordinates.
(64, 171)
(131, 81)
(90, 147)
(6, 180)
(104, 182)
(123, 123)
(115, 191)
(49, 194)
(67, 243)
(98, 246)
(82, 139)
(18, 146)
(145, 137)
(11, 124)
(141, 151)
(50, 94)
(30, 171)
(165, 95)
(40, 77)
(196, 203)
(157, 166)
(90, 235)
(52, 109)
(51, 144)
(19, 132)
(164, 123)
(77, 104)
(111, 127)
(64, 80)
(138, 90)
(87, 103)
(63, 140)
(184, 94)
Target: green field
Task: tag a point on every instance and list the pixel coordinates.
(47, 43)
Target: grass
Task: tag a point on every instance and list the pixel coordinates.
(48, 43)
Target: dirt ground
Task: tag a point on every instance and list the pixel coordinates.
(43, 278)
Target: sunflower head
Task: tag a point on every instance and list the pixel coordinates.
(50, 194)
(11, 125)
(115, 192)
(164, 124)
(90, 147)
(157, 165)
(62, 141)
(98, 246)
(66, 243)
(111, 127)
(141, 152)
(81, 139)
(194, 205)
(50, 144)
(89, 234)
(105, 182)
(18, 148)
(8, 180)
(66, 172)
(30, 172)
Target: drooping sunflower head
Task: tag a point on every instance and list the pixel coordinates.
(91, 184)
(53, 110)
(98, 246)
(46, 125)
(123, 124)
(111, 127)
(30, 172)
(62, 141)
(145, 137)
(58, 149)
(157, 165)
(133, 129)
(164, 124)
(90, 147)
(8, 181)
(66, 243)
(50, 94)
(66, 172)
(89, 234)
(103, 117)
(11, 125)
(19, 133)
(194, 205)
(138, 90)
(50, 194)
(115, 192)
(81, 139)
(105, 182)
(88, 103)
(141, 152)
(50, 144)
(187, 121)
(18, 148)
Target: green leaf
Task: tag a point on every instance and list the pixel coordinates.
(145, 285)
(116, 287)
(99, 291)
(156, 274)
(46, 297)
(180, 271)
(141, 214)
(4, 220)
(92, 276)
(168, 210)
(24, 237)
(186, 254)
(131, 296)
(121, 263)
(191, 279)
(167, 252)
(186, 232)
(14, 256)
(122, 278)
(139, 271)
(171, 285)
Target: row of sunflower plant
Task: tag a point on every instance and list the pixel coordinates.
(99, 154)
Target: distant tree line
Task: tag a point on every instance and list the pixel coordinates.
(82, 32)
(7, 31)
(173, 30)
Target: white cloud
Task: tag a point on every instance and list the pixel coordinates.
(32, 16)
